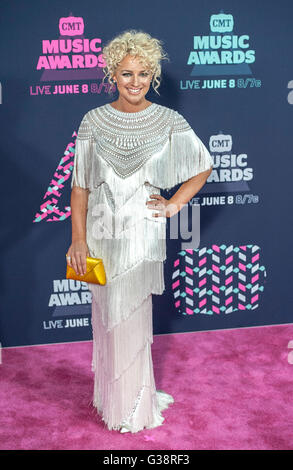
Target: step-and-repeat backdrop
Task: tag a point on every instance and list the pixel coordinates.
(231, 75)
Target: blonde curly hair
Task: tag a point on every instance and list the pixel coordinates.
(135, 43)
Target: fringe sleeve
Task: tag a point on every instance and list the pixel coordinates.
(188, 155)
(81, 173)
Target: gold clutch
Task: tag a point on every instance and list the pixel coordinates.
(95, 272)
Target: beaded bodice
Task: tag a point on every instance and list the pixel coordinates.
(127, 140)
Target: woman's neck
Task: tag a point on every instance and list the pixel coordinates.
(126, 107)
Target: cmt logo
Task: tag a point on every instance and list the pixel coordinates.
(220, 143)
(72, 56)
(71, 26)
(231, 170)
(223, 51)
(221, 23)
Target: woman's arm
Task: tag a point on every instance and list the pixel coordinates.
(78, 250)
(170, 207)
(188, 190)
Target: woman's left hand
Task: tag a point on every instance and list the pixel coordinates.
(160, 204)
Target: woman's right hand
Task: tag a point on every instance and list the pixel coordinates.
(77, 253)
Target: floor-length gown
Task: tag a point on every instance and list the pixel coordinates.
(123, 158)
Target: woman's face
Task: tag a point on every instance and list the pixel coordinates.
(132, 79)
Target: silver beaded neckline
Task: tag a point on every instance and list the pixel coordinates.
(127, 140)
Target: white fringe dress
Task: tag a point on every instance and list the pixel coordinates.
(122, 158)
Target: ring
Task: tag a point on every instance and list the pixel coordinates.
(68, 257)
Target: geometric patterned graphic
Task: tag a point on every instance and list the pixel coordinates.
(49, 210)
(217, 280)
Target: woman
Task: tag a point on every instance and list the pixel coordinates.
(126, 152)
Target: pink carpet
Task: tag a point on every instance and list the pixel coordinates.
(233, 389)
